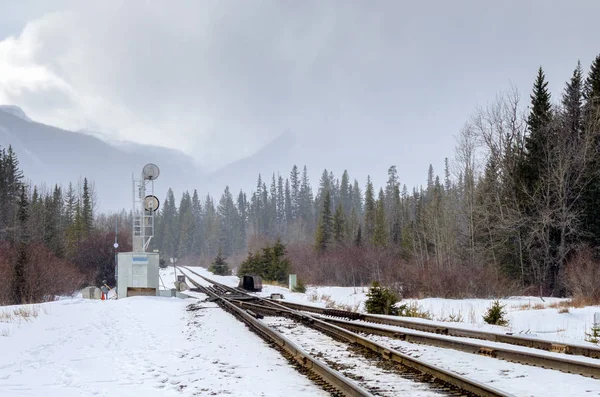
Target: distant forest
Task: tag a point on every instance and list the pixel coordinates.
(517, 210)
(517, 205)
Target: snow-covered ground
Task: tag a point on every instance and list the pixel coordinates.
(518, 379)
(526, 315)
(140, 346)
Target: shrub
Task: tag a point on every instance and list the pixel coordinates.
(594, 335)
(300, 287)
(271, 264)
(413, 310)
(219, 266)
(582, 275)
(381, 300)
(495, 314)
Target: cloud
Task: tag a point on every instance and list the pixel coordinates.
(220, 78)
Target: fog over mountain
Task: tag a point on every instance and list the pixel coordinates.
(237, 88)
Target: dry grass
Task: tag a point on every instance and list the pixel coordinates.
(21, 313)
(331, 304)
(563, 310)
(6, 317)
(5, 332)
(536, 306)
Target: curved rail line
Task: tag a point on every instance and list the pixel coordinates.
(457, 381)
(531, 342)
(439, 339)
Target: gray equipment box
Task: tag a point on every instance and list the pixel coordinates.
(91, 292)
(137, 274)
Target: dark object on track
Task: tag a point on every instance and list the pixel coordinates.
(251, 283)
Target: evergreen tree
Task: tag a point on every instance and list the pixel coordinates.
(280, 206)
(70, 202)
(370, 212)
(305, 204)
(358, 239)
(339, 224)
(536, 142)
(591, 193)
(356, 195)
(295, 192)
(242, 207)
(380, 229)
(197, 216)
(346, 199)
(169, 230)
(87, 216)
(229, 216)
(324, 230)
(186, 226)
(11, 188)
(220, 266)
(592, 83)
(572, 102)
(212, 226)
(19, 278)
(289, 214)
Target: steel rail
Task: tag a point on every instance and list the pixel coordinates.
(445, 376)
(531, 342)
(330, 376)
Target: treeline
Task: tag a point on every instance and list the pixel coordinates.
(517, 204)
(50, 241)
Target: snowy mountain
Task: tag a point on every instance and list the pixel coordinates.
(51, 155)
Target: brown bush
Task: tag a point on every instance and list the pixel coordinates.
(349, 266)
(46, 275)
(581, 277)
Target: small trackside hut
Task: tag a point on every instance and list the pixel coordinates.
(251, 283)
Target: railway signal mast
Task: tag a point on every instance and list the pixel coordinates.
(145, 204)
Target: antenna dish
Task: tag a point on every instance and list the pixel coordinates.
(150, 172)
(151, 203)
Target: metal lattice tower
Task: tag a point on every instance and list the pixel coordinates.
(144, 206)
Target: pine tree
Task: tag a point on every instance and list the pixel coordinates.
(536, 142)
(229, 219)
(196, 247)
(572, 102)
(242, 207)
(168, 228)
(186, 226)
(358, 239)
(295, 192)
(280, 206)
(380, 229)
(305, 204)
(591, 193)
(289, 215)
(220, 266)
(356, 195)
(346, 199)
(592, 83)
(10, 193)
(370, 212)
(212, 226)
(323, 234)
(19, 278)
(339, 224)
(87, 216)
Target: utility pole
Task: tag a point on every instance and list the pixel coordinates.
(116, 245)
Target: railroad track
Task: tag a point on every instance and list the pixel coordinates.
(442, 337)
(524, 341)
(236, 301)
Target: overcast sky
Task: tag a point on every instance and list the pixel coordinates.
(219, 79)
